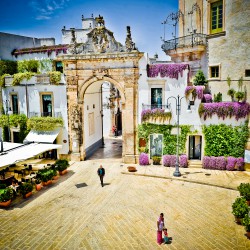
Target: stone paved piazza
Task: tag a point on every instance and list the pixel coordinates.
(122, 214)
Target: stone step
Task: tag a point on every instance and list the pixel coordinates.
(195, 164)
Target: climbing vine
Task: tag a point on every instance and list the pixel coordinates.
(224, 140)
(169, 140)
(44, 123)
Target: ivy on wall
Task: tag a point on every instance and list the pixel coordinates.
(8, 67)
(169, 140)
(14, 121)
(44, 123)
(224, 140)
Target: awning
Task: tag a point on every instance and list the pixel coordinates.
(42, 136)
(25, 152)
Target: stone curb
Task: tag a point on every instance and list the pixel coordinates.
(184, 180)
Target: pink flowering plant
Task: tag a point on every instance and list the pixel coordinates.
(239, 163)
(167, 70)
(207, 98)
(199, 91)
(143, 159)
(222, 163)
(155, 113)
(231, 161)
(183, 161)
(224, 109)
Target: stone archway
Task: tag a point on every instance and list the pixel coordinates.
(120, 69)
(102, 58)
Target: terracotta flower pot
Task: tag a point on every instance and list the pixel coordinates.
(248, 234)
(47, 183)
(27, 195)
(5, 203)
(65, 171)
(132, 169)
(38, 187)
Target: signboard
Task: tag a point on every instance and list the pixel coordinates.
(247, 156)
(156, 141)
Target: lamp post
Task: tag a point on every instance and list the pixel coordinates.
(8, 112)
(177, 173)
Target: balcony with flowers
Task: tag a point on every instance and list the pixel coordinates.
(155, 116)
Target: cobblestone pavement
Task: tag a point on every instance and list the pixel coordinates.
(122, 214)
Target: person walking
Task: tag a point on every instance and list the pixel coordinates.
(101, 173)
(160, 226)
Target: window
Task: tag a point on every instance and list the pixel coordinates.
(247, 73)
(59, 67)
(156, 98)
(47, 105)
(214, 72)
(216, 17)
(14, 104)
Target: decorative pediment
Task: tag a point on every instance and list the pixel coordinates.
(100, 40)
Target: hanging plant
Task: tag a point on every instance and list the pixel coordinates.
(55, 77)
(224, 109)
(155, 113)
(207, 98)
(27, 66)
(17, 78)
(44, 123)
(2, 80)
(166, 70)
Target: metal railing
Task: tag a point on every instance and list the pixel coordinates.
(153, 106)
(185, 41)
(44, 114)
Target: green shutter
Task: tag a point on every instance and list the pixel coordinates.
(216, 17)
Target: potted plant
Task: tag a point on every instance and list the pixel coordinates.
(240, 209)
(244, 189)
(156, 160)
(6, 196)
(46, 176)
(246, 224)
(26, 189)
(38, 184)
(62, 166)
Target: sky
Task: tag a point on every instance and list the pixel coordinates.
(46, 18)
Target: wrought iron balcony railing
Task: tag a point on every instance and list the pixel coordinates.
(185, 41)
(44, 114)
(154, 106)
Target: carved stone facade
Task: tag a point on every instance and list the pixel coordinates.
(122, 70)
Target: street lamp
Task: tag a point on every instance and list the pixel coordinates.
(177, 173)
(8, 112)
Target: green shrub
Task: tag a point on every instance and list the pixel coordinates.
(244, 189)
(25, 188)
(156, 160)
(7, 194)
(240, 208)
(61, 164)
(246, 222)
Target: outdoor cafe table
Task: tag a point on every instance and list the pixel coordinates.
(30, 176)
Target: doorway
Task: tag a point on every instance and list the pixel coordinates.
(195, 142)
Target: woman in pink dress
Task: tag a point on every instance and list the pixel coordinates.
(160, 226)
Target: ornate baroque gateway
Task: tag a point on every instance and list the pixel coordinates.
(101, 59)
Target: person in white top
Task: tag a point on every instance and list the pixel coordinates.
(160, 226)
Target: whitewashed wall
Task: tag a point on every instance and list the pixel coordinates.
(59, 98)
(92, 97)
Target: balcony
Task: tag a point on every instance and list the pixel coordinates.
(156, 114)
(195, 42)
(44, 114)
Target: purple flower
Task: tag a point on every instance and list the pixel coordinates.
(143, 159)
(224, 109)
(154, 113)
(167, 70)
(183, 161)
(239, 163)
(220, 163)
(207, 98)
(231, 163)
(199, 91)
(189, 89)
(166, 160)
(205, 162)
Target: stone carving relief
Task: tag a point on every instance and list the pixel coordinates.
(100, 40)
(130, 45)
(75, 117)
